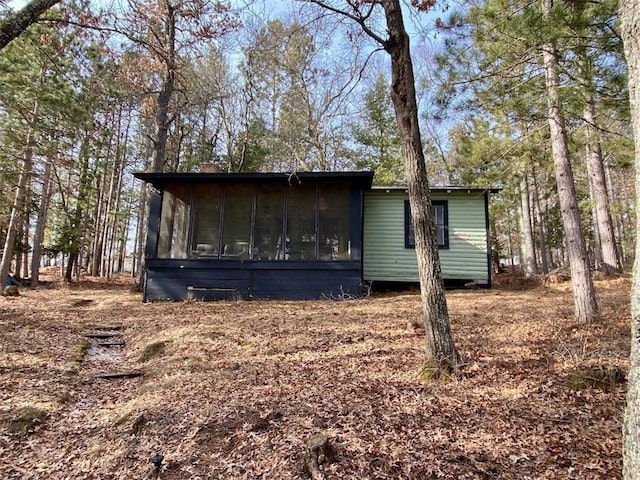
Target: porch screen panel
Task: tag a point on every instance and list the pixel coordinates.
(236, 224)
(268, 232)
(207, 202)
(301, 223)
(333, 210)
(174, 222)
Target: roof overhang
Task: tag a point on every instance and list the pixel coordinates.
(364, 179)
(440, 189)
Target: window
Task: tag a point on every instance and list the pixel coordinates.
(439, 209)
(207, 201)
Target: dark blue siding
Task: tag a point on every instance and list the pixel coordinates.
(306, 284)
(211, 280)
(209, 284)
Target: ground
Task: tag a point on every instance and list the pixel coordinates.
(236, 389)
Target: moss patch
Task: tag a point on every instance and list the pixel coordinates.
(604, 378)
(11, 291)
(155, 349)
(26, 419)
(75, 360)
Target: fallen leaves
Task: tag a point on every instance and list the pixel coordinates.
(237, 389)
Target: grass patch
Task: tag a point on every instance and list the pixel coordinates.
(433, 372)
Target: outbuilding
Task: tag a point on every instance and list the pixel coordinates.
(299, 236)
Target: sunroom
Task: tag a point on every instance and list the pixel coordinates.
(259, 235)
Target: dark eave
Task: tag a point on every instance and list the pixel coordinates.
(160, 179)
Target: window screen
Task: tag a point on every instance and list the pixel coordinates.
(301, 223)
(236, 224)
(269, 226)
(174, 222)
(333, 211)
(256, 222)
(207, 201)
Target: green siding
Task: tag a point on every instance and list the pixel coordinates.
(385, 257)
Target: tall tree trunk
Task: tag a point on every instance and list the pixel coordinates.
(542, 224)
(77, 226)
(143, 215)
(124, 240)
(605, 245)
(98, 214)
(109, 218)
(72, 261)
(510, 242)
(597, 244)
(26, 230)
(599, 194)
(615, 217)
(495, 245)
(441, 351)
(529, 263)
(101, 208)
(38, 235)
(19, 256)
(162, 120)
(139, 238)
(115, 214)
(630, 27)
(16, 209)
(586, 308)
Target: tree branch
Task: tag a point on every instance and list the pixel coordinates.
(359, 19)
(16, 23)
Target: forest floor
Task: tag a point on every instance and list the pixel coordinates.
(235, 389)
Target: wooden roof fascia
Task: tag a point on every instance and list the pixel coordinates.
(447, 189)
(364, 178)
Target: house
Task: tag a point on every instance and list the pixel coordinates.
(262, 235)
(298, 236)
(461, 218)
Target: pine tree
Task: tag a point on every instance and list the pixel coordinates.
(630, 28)
(377, 132)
